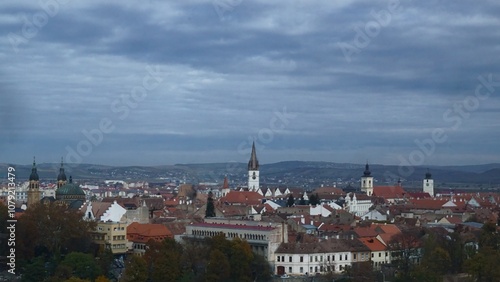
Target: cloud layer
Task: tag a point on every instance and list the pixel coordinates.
(236, 71)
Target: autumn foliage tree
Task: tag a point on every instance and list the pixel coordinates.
(483, 266)
(52, 229)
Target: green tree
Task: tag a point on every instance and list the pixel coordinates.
(483, 266)
(291, 201)
(302, 201)
(240, 260)
(261, 270)
(76, 279)
(218, 268)
(135, 270)
(163, 260)
(81, 265)
(4, 214)
(35, 270)
(210, 211)
(314, 199)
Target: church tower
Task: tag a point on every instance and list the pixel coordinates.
(428, 184)
(367, 181)
(225, 187)
(34, 186)
(61, 178)
(253, 171)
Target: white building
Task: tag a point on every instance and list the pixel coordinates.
(330, 256)
(263, 237)
(357, 204)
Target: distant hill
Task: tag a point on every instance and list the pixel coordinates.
(298, 173)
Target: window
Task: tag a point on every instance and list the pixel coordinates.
(372, 254)
(290, 259)
(290, 270)
(301, 269)
(379, 255)
(278, 258)
(301, 260)
(345, 257)
(333, 258)
(354, 256)
(340, 257)
(386, 254)
(283, 258)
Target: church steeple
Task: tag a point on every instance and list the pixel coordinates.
(34, 186)
(61, 178)
(34, 173)
(225, 187)
(253, 164)
(253, 171)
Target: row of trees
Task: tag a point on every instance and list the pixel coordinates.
(211, 259)
(452, 254)
(54, 243)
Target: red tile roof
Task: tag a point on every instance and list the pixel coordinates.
(389, 192)
(242, 197)
(428, 204)
(373, 244)
(142, 233)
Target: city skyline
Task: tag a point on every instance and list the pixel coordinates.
(125, 83)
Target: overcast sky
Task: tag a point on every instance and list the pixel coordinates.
(164, 82)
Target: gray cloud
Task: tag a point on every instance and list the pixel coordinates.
(225, 78)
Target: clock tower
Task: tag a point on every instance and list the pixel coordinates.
(428, 184)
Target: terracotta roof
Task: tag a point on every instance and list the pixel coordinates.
(386, 228)
(365, 232)
(389, 192)
(329, 191)
(419, 195)
(428, 204)
(137, 232)
(373, 244)
(242, 197)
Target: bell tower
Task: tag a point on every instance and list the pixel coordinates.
(34, 186)
(61, 178)
(367, 181)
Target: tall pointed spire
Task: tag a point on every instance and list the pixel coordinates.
(34, 173)
(62, 175)
(253, 164)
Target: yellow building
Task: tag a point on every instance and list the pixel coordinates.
(112, 236)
